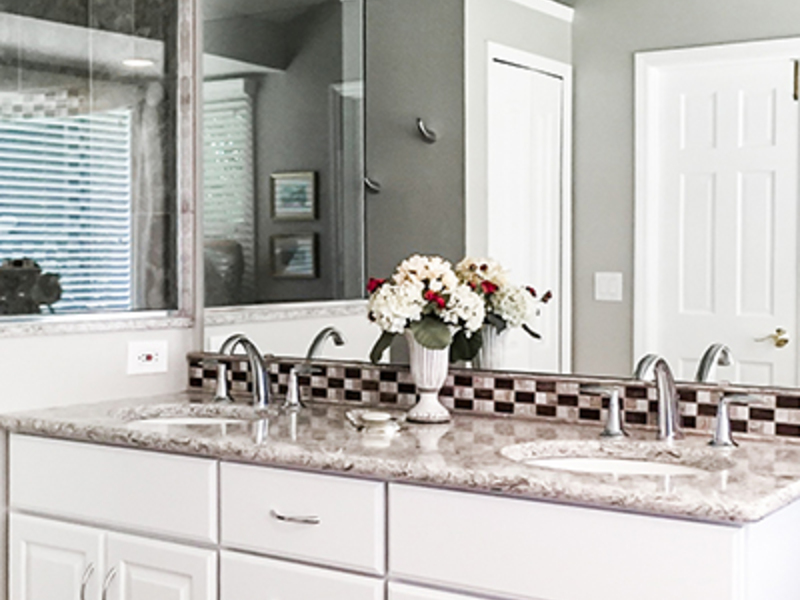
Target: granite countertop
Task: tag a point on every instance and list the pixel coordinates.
(733, 486)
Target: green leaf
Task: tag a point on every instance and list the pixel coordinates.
(531, 332)
(496, 321)
(465, 348)
(431, 332)
(380, 346)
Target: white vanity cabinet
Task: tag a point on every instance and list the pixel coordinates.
(402, 591)
(51, 560)
(516, 548)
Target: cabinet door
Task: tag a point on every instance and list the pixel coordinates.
(401, 591)
(143, 569)
(246, 577)
(49, 560)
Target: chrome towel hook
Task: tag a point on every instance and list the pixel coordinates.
(427, 134)
(373, 187)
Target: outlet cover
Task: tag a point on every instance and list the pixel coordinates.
(147, 357)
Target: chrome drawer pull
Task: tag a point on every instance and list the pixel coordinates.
(298, 520)
(87, 575)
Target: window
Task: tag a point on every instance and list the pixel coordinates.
(65, 201)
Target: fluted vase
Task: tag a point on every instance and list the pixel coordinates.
(492, 354)
(429, 371)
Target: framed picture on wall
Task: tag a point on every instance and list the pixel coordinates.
(294, 256)
(294, 196)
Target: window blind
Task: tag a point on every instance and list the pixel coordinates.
(65, 202)
(228, 171)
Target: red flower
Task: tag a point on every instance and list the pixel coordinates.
(488, 288)
(374, 284)
(432, 296)
(547, 297)
(531, 291)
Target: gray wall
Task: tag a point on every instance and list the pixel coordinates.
(606, 33)
(293, 134)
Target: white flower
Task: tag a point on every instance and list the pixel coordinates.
(464, 308)
(476, 270)
(514, 304)
(393, 307)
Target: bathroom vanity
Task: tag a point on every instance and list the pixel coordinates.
(111, 501)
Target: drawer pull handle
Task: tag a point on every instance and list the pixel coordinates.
(87, 575)
(298, 520)
(107, 583)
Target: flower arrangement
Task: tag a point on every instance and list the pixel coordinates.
(506, 305)
(426, 297)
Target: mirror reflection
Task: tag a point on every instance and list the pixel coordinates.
(596, 327)
(282, 147)
(87, 160)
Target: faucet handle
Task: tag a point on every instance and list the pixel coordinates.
(293, 400)
(222, 393)
(613, 428)
(722, 433)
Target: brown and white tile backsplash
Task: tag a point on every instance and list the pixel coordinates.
(521, 395)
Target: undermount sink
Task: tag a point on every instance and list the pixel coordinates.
(206, 418)
(619, 458)
(613, 465)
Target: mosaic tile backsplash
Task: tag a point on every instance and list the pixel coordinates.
(522, 395)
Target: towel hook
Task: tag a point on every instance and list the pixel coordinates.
(427, 134)
(373, 187)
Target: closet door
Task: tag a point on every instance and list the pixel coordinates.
(144, 569)
(49, 560)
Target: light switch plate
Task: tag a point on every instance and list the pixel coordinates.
(608, 286)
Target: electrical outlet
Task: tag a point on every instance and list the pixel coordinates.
(147, 357)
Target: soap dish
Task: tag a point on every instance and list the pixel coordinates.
(373, 421)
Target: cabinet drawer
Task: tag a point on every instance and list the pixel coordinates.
(147, 491)
(348, 528)
(401, 591)
(528, 549)
(257, 578)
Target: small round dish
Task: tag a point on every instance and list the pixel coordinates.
(374, 418)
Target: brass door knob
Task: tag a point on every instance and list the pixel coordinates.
(779, 338)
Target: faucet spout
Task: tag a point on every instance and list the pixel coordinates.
(669, 428)
(715, 354)
(258, 369)
(316, 345)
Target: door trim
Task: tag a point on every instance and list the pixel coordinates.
(563, 71)
(649, 67)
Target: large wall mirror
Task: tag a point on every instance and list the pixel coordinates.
(89, 129)
(295, 177)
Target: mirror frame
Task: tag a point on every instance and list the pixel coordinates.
(185, 315)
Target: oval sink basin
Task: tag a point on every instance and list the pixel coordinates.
(616, 466)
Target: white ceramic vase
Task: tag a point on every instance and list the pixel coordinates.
(492, 354)
(429, 371)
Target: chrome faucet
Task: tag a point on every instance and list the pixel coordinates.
(715, 354)
(668, 418)
(293, 400)
(258, 370)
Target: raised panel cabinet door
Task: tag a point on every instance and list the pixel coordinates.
(144, 569)
(49, 560)
(244, 577)
(402, 591)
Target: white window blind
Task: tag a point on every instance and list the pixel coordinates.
(228, 170)
(65, 201)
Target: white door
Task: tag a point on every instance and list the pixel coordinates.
(244, 577)
(725, 252)
(525, 193)
(144, 569)
(49, 560)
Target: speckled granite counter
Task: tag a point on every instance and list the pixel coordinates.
(735, 486)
